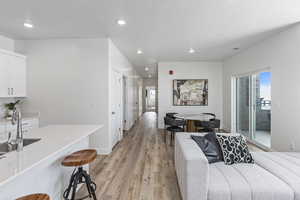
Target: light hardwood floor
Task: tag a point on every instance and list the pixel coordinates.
(141, 167)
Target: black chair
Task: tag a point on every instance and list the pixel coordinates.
(210, 114)
(173, 125)
(208, 126)
(171, 115)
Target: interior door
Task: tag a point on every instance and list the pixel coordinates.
(116, 103)
(140, 101)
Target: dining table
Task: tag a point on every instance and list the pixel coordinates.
(191, 118)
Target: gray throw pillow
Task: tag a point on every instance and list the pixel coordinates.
(235, 149)
(210, 147)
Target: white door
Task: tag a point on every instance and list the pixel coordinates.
(116, 101)
(140, 100)
(4, 76)
(18, 76)
(124, 103)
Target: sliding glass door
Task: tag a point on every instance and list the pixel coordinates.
(242, 105)
(262, 108)
(253, 107)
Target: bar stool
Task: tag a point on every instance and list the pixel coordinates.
(35, 197)
(79, 175)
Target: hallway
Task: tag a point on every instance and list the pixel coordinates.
(140, 167)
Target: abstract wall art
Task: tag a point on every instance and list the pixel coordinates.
(190, 92)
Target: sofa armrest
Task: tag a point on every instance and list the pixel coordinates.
(192, 168)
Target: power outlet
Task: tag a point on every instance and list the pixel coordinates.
(292, 146)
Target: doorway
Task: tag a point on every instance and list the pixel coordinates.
(252, 107)
(150, 99)
(116, 107)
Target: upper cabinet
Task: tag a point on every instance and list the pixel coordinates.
(12, 74)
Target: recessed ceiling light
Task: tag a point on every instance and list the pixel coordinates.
(146, 69)
(139, 51)
(191, 50)
(28, 24)
(149, 75)
(121, 22)
(236, 48)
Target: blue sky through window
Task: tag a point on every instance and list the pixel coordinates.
(265, 85)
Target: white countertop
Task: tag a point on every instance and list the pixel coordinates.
(54, 139)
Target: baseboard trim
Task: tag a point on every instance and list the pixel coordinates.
(103, 151)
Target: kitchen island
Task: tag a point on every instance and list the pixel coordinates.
(38, 167)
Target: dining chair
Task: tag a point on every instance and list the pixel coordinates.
(210, 114)
(173, 126)
(171, 115)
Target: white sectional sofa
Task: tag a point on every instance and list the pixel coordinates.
(274, 176)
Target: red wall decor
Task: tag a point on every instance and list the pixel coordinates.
(171, 72)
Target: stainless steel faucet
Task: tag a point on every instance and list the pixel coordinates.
(17, 119)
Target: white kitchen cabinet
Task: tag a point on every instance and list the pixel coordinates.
(12, 74)
(4, 75)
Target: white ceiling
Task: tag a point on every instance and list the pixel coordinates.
(163, 29)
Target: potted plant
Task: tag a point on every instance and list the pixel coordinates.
(10, 107)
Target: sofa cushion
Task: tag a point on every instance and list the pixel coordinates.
(285, 166)
(245, 182)
(235, 149)
(210, 147)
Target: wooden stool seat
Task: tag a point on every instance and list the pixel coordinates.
(80, 158)
(35, 197)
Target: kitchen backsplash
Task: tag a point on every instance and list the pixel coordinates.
(4, 101)
(2, 108)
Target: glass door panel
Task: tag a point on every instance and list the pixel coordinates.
(262, 108)
(243, 105)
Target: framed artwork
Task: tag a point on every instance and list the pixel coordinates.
(190, 92)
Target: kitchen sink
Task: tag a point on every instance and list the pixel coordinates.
(6, 147)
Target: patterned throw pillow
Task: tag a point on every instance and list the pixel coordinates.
(235, 149)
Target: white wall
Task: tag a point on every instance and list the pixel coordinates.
(189, 70)
(67, 82)
(7, 43)
(281, 54)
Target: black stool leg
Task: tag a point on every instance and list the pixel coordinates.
(74, 187)
(91, 186)
(78, 177)
(68, 190)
